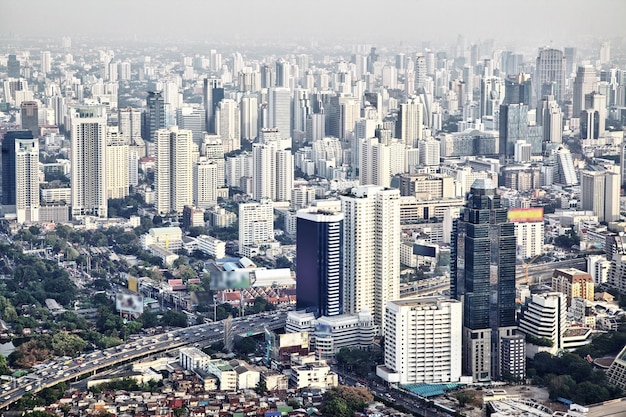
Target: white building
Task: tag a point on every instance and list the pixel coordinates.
(212, 246)
(544, 317)
(530, 238)
(206, 187)
(117, 165)
(599, 268)
(192, 358)
(227, 124)
(26, 180)
(422, 341)
(371, 250)
(173, 177)
(315, 374)
(256, 225)
(88, 156)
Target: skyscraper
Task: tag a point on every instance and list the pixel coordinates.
(482, 271)
(213, 93)
(154, 116)
(593, 116)
(227, 124)
(599, 192)
(88, 156)
(46, 62)
(319, 251)
(420, 72)
(173, 170)
(129, 123)
(585, 82)
(371, 250)
(117, 164)
(249, 117)
(410, 125)
(550, 74)
(518, 89)
(256, 225)
(20, 175)
(550, 117)
(30, 117)
(513, 127)
(13, 67)
(279, 103)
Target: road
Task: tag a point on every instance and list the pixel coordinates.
(541, 272)
(90, 364)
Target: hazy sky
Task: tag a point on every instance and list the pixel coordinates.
(411, 21)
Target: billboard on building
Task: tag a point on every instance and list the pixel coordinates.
(424, 250)
(300, 339)
(129, 303)
(526, 215)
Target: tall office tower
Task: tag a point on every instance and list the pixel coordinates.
(272, 171)
(13, 67)
(301, 110)
(429, 152)
(400, 62)
(599, 192)
(88, 159)
(513, 127)
(570, 59)
(30, 116)
(605, 53)
(133, 167)
(420, 72)
(372, 58)
(212, 94)
(585, 82)
(249, 117)
(129, 124)
(173, 177)
(523, 151)
(315, 127)
(422, 341)
(430, 62)
(279, 103)
(283, 73)
(491, 95)
(46, 62)
(319, 250)
(375, 163)
(410, 124)
(474, 54)
(256, 224)
(206, 174)
(227, 124)
(192, 118)
(249, 80)
(371, 250)
(518, 89)
(593, 116)
(154, 116)
(117, 164)
(550, 74)
(268, 76)
(124, 71)
(550, 117)
(20, 175)
(565, 173)
(482, 276)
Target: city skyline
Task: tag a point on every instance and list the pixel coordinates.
(348, 21)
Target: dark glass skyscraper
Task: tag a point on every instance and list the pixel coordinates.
(483, 277)
(513, 127)
(9, 179)
(319, 258)
(154, 117)
(213, 94)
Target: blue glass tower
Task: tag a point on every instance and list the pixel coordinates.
(319, 259)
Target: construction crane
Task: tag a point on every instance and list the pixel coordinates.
(526, 265)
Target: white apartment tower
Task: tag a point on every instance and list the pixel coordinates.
(279, 104)
(410, 122)
(227, 124)
(88, 156)
(173, 170)
(249, 117)
(117, 170)
(27, 180)
(371, 250)
(256, 223)
(375, 166)
(272, 172)
(422, 341)
(205, 180)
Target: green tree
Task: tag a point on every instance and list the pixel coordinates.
(174, 319)
(261, 387)
(246, 345)
(336, 407)
(4, 368)
(464, 398)
(149, 319)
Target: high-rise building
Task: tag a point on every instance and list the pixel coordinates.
(205, 182)
(213, 93)
(46, 62)
(283, 73)
(593, 116)
(375, 162)
(492, 94)
(256, 224)
(550, 74)
(482, 269)
(574, 283)
(545, 317)
(129, 125)
(410, 125)
(422, 341)
(20, 175)
(570, 59)
(319, 251)
(279, 105)
(249, 117)
(117, 170)
(371, 250)
(565, 172)
(585, 82)
(192, 118)
(88, 157)
(227, 124)
(173, 177)
(30, 116)
(272, 171)
(154, 116)
(513, 127)
(599, 192)
(13, 67)
(518, 89)
(420, 72)
(550, 117)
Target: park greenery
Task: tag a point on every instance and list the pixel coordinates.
(344, 401)
(359, 362)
